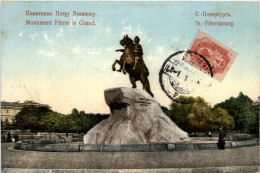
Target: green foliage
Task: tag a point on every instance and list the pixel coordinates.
(44, 119)
(242, 110)
(81, 122)
(52, 122)
(6, 125)
(166, 110)
(195, 114)
(255, 126)
(30, 117)
(220, 117)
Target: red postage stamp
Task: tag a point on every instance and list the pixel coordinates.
(216, 58)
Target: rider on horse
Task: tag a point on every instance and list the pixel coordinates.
(138, 52)
(131, 61)
(138, 55)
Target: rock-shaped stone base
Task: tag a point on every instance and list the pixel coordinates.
(136, 118)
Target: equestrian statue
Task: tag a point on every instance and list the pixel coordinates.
(131, 61)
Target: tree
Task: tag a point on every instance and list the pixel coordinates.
(195, 114)
(6, 124)
(30, 117)
(44, 119)
(242, 110)
(52, 122)
(75, 112)
(255, 127)
(72, 121)
(165, 110)
(2, 125)
(220, 117)
(87, 121)
(14, 124)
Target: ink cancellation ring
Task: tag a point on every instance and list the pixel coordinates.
(177, 77)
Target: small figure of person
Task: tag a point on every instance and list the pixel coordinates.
(9, 137)
(209, 133)
(221, 141)
(16, 138)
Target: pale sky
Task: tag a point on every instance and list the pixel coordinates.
(70, 66)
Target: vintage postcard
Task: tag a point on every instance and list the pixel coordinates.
(156, 72)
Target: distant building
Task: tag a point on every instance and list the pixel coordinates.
(32, 103)
(10, 109)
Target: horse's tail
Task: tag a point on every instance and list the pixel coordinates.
(146, 86)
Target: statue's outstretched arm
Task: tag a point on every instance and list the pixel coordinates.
(120, 50)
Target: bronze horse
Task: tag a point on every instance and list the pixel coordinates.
(126, 63)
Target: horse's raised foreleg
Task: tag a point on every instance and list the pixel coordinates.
(120, 69)
(114, 65)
